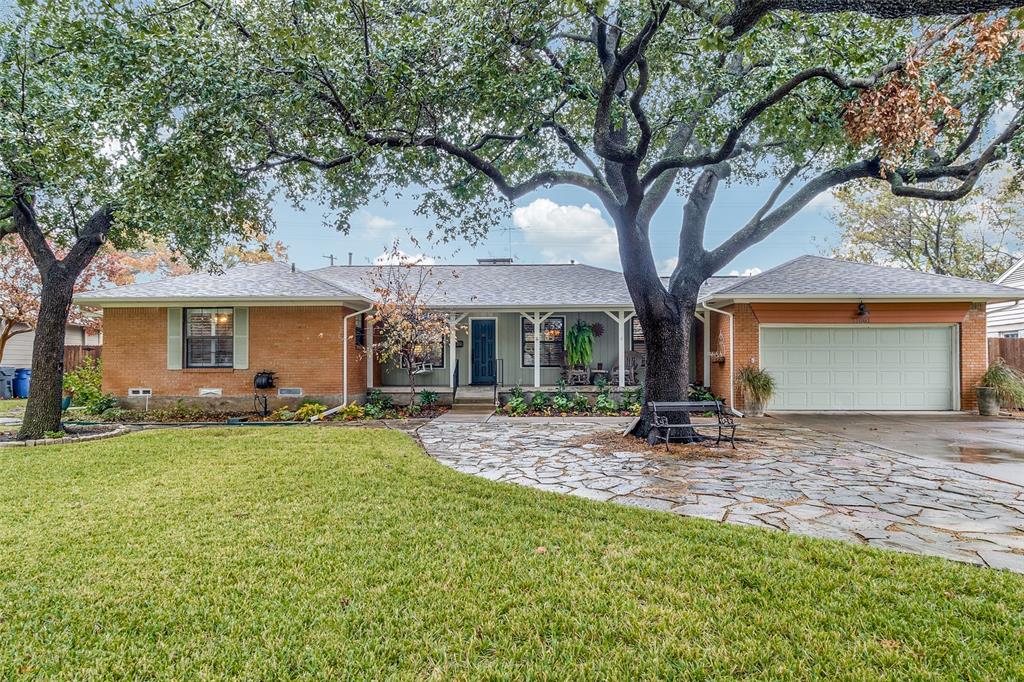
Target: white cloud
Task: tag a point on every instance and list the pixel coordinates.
(825, 202)
(668, 265)
(376, 222)
(563, 233)
(399, 257)
(749, 272)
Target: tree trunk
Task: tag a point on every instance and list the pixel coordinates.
(667, 319)
(43, 410)
(668, 340)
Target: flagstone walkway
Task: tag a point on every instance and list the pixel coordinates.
(792, 479)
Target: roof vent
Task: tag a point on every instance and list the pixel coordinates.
(494, 261)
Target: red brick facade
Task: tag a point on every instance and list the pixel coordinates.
(747, 318)
(301, 344)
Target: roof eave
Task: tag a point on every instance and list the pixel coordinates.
(825, 298)
(151, 302)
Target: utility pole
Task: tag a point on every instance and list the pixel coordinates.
(330, 257)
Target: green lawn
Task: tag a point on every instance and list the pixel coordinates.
(322, 552)
(7, 407)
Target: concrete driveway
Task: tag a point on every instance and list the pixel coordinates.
(990, 446)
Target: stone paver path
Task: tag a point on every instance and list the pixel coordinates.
(793, 479)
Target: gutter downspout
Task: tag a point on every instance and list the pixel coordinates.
(732, 354)
(344, 354)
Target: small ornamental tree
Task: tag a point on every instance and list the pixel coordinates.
(108, 138)
(408, 327)
(21, 289)
(481, 103)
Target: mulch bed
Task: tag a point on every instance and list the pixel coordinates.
(613, 441)
(71, 433)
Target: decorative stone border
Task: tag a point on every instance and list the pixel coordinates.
(119, 431)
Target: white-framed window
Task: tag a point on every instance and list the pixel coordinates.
(1009, 335)
(636, 340)
(209, 337)
(552, 342)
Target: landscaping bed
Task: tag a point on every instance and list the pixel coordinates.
(69, 434)
(566, 402)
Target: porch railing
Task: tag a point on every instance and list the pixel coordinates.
(455, 380)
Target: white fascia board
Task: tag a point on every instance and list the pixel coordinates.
(888, 298)
(212, 302)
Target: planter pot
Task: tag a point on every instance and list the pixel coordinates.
(988, 402)
(754, 408)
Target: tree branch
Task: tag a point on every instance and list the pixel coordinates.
(746, 13)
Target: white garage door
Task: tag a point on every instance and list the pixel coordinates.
(860, 368)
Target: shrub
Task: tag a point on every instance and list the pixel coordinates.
(633, 398)
(538, 401)
(85, 382)
(282, 414)
(516, 406)
(517, 392)
(1007, 382)
(380, 399)
(561, 402)
(101, 404)
(428, 398)
(580, 403)
(309, 410)
(605, 403)
(374, 411)
(702, 393)
(53, 434)
(352, 411)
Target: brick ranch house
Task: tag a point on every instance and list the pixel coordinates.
(835, 335)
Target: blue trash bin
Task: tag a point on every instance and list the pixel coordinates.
(22, 381)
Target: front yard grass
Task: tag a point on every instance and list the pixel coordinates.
(10, 407)
(316, 552)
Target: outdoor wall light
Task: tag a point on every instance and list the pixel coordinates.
(863, 314)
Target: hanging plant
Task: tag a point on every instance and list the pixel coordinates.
(579, 344)
(598, 330)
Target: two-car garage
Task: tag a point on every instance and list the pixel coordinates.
(860, 367)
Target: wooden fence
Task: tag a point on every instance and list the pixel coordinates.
(1010, 350)
(74, 355)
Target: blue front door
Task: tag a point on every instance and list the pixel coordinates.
(482, 362)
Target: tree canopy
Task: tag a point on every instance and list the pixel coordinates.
(977, 237)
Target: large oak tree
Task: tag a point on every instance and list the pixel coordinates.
(481, 103)
(106, 137)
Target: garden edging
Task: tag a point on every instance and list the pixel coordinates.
(121, 430)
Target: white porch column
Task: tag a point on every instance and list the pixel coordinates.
(621, 318)
(536, 319)
(453, 321)
(369, 354)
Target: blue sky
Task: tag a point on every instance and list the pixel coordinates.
(549, 226)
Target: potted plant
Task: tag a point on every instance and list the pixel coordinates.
(999, 385)
(758, 387)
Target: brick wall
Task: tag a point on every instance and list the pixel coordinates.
(747, 318)
(301, 344)
(973, 354)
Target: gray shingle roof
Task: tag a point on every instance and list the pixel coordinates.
(508, 286)
(249, 281)
(818, 277)
(548, 286)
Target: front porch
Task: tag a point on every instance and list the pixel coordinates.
(400, 394)
(496, 347)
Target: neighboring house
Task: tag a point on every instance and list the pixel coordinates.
(835, 335)
(18, 352)
(1006, 320)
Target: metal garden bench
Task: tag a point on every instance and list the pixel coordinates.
(662, 425)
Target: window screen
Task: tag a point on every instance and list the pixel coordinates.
(209, 336)
(552, 342)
